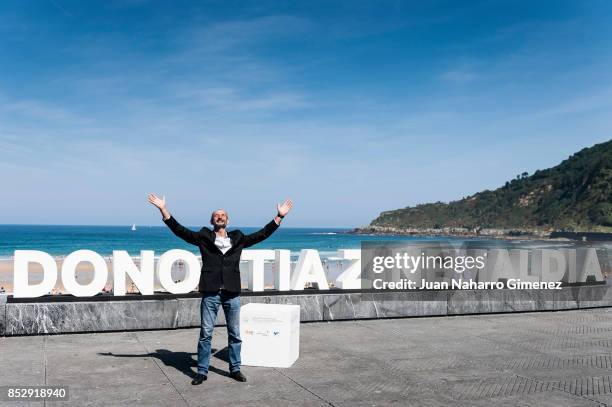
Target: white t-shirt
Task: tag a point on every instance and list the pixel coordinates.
(223, 243)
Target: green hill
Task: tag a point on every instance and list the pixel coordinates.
(574, 195)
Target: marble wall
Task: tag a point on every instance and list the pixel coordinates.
(63, 317)
(2, 319)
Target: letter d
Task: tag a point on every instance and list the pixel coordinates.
(21, 285)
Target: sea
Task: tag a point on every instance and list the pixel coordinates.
(61, 240)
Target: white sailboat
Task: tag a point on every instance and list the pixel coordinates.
(133, 226)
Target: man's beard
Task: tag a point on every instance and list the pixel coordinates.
(220, 225)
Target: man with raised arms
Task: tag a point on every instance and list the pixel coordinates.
(220, 277)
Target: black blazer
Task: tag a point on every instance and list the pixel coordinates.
(219, 268)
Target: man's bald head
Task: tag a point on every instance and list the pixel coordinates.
(219, 218)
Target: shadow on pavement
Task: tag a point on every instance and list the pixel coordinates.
(182, 361)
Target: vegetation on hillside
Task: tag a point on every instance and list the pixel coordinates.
(574, 195)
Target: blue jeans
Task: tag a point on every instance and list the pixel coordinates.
(209, 308)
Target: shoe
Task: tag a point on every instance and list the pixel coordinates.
(238, 376)
(199, 379)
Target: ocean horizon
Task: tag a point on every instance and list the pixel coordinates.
(61, 240)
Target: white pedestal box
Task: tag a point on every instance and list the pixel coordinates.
(270, 334)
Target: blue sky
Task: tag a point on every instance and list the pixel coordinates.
(350, 108)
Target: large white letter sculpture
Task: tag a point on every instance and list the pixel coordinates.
(21, 285)
(309, 270)
(349, 279)
(499, 265)
(100, 273)
(549, 264)
(579, 265)
(124, 266)
(282, 270)
(164, 271)
(587, 257)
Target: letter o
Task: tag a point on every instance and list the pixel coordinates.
(69, 273)
(164, 271)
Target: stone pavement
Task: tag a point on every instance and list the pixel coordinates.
(530, 359)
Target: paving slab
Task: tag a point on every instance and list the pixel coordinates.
(526, 359)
